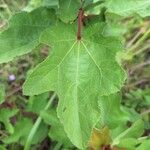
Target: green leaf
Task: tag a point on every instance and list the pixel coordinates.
(56, 132)
(23, 33)
(87, 2)
(144, 146)
(112, 29)
(68, 9)
(132, 142)
(5, 115)
(2, 94)
(21, 132)
(41, 133)
(127, 8)
(135, 131)
(37, 103)
(112, 113)
(2, 147)
(33, 4)
(71, 70)
(50, 2)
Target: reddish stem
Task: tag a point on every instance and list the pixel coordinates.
(80, 19)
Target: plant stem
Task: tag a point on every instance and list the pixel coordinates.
(7, 8)
(141, 40)
(130, 43)
(57, 146)
(36, 124)
(142, 49)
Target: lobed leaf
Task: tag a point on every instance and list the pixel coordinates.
(71, 70)
(23, 33)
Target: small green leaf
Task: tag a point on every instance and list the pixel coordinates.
(68, 9)
(23, 33)
(135, 131)
(37, 103)
(115, 30)
(56, 132)
(87, 2)
(5, 115)
(144, 146)
(132, 142)
(127, 8)
(112, 114)
(33, 4)
(21, 130)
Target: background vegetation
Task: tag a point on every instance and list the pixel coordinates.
(17, 111)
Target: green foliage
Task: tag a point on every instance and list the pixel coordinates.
(70, 7)
(2, 94)
(5, 115)
(85, 73)
(71, 61)
(112, 116)
(37, 103)
(127, 8)
(59, 61)
(21, 131)
(144, 146)
(33, 4)
(56, 131)
(23, 33)
(130, 135)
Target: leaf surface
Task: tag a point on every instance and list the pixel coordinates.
(145, 145)
(112, 114)
(5, 115)
(128, 7)
(68, 9)
(37, 103)
(71, 70)
(22, 129)
(135, 131)
(56, 132)
(23, 33)
(33, 4)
